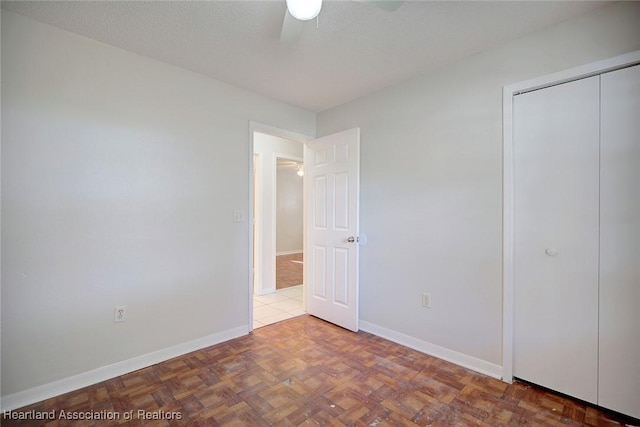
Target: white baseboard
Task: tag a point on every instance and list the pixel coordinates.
(65, 385)
(75, 382)
(452, 356)
(298, 251)
(266, 291)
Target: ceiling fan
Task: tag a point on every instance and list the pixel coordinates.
(299, 11)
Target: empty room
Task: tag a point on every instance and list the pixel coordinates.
(461, 248)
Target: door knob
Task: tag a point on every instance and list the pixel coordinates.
(352, 239)
(551, 251)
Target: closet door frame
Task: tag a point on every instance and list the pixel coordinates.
(508, 93)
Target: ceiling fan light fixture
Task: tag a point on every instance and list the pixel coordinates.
(304, 10)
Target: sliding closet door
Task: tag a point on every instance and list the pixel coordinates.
(620, 242)
(556, 163)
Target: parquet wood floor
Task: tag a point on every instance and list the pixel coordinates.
(305, 371)
(288, 270)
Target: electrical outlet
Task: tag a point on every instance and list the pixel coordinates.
(426, 300)
(119, 313)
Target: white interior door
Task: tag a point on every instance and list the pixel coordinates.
(331, 165)
(556, 180)
(619, 361)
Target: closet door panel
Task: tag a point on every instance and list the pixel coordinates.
(619, 364)
(556, 162)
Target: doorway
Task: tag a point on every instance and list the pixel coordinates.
(331, 223)
(289, 222)
(278, 242)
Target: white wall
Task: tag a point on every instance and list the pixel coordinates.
(268, 148)
(431, 182)
(289, 210)
(120, 175)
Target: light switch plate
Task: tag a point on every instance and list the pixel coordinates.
(239, 216)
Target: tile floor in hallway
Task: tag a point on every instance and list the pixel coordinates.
(280, 305)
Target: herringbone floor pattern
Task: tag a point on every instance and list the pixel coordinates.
(305, 371)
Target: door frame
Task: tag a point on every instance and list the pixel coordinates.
(273, 131)
(509, 91)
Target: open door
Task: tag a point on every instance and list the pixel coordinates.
(332, 180)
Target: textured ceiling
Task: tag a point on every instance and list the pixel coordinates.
(353, 49)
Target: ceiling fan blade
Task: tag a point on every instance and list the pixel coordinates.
(388, 5)
(291, 28)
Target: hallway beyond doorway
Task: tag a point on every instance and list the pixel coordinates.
(289, 270)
